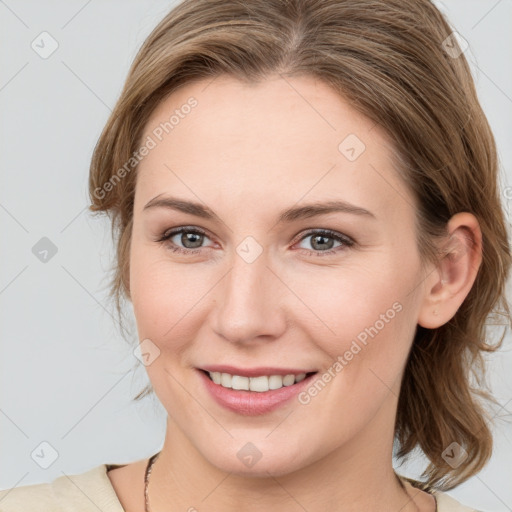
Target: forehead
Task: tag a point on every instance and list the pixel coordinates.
(282, 137)
(278, 112)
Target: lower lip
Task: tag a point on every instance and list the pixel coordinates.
(252, 403)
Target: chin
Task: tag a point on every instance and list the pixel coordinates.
(259, 460)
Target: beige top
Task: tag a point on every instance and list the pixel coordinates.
(92, 491)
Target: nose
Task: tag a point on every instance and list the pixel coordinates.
(250, 302)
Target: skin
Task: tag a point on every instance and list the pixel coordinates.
(248, 152)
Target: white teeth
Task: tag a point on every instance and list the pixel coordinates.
(288, 380)
(238, 382)
(259, 384)
(275, 382)
(225, 380)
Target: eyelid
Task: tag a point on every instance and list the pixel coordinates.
(345, 240)
(171, 232)
(174, 231)
(328, 233)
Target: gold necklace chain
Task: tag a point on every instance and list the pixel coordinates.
(146, 480)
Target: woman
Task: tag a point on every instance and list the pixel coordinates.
(296, 190)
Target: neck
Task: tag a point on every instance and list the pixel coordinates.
(348, 479)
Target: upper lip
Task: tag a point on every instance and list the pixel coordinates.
(254, 372)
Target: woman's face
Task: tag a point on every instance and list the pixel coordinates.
(254, 280)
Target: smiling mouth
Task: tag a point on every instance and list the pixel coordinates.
(259, 384)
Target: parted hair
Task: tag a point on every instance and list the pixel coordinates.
(400, 66)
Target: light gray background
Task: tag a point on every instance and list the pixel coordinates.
(66, 375)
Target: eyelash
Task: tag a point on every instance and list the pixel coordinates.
(347, 241)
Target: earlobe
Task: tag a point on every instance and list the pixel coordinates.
(450, 283)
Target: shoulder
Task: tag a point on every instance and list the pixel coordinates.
(445, 503)
(84, 492)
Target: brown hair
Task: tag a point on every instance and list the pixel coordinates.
(390, 59)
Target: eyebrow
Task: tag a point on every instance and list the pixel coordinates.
(289, 215)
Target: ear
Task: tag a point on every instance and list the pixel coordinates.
(451, 281)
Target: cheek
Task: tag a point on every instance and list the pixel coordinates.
(365, 319)
(166, 297)
(165, 307)
(366, 353)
